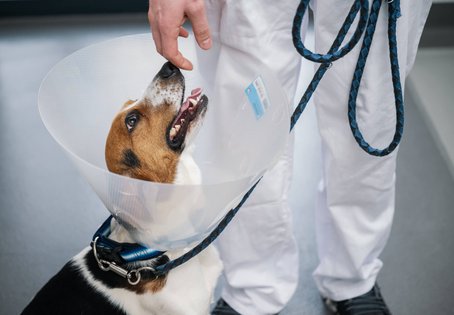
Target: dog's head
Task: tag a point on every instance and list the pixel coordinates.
(148, 135)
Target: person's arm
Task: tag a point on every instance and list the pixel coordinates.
(166, 18)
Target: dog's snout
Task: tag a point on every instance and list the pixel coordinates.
(168, 70)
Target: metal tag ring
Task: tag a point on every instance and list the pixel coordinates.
(133, 274)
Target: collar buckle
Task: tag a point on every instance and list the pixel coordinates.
(133, 276)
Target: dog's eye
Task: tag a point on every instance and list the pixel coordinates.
(131, 120)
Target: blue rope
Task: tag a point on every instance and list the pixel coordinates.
(335, 52)
(332, 51)
(394, 13)
(366, 24)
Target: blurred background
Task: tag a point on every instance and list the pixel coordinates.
(48, 212)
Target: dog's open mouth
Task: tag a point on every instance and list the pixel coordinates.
(190, 109)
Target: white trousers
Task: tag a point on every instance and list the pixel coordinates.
(356, 199)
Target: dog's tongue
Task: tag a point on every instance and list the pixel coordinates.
(194, 95)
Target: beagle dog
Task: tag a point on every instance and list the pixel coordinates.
(149, 139)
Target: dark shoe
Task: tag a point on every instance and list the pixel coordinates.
(370, 303)
(222, 308)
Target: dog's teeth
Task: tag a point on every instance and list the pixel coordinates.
(177, 128)
(173, 133)
(193, 101)
(182, 120)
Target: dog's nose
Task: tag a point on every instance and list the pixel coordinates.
(168, 70)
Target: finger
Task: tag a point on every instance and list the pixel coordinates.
(170, 50)
(157, 39)
(183, 32)
(180, 61)
(197, 15)
(155, 31)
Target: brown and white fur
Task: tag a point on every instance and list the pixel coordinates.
(143, 144)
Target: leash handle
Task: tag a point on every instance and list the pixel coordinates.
(366, 24)
(394, 14)
(336, 53)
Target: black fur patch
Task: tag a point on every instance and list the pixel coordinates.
(130, 159)
(70, 294)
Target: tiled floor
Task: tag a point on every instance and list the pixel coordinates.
(48, 212)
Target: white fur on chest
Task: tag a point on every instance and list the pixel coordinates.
(188, 173)
(188, 289)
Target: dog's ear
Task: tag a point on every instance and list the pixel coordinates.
(127, 103)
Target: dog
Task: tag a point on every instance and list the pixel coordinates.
(149, 139)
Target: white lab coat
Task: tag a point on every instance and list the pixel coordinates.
(356, 199)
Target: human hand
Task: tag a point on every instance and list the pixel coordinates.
(166, 18)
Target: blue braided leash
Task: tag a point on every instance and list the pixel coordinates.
(335, 53)
(366, 24)
(394, 13)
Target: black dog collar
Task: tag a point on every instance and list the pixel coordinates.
(122, 258)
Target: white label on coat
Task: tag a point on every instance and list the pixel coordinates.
(258, 97)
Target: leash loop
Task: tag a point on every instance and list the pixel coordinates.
(367, 24)
(358, 5)
(394, 13)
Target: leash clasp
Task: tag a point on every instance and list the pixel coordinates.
(133, 276)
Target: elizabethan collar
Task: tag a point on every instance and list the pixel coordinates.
(81, 95)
